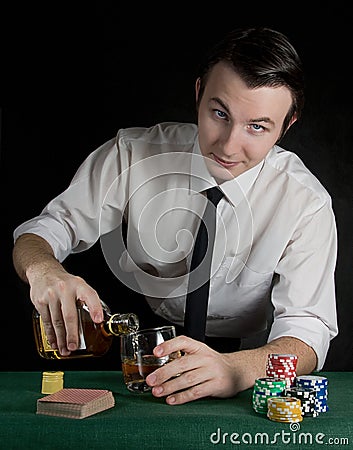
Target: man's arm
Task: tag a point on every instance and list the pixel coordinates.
(254, 360)
(33, 257)
(202, 372)
(54, 291)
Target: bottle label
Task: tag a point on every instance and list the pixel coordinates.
(81, 337)
(46, 344)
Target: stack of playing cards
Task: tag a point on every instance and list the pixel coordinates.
(75, 403)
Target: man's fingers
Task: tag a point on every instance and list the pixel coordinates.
(188, 395)
(178, 344)
(90, 297)
(179, 382)
(68, 328)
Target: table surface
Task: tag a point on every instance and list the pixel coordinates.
(141, 421)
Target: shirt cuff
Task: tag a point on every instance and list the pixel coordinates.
(48, 230)
(315, 334)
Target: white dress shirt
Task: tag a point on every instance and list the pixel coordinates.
(275, 246)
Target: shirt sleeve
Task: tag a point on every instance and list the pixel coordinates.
(304, 294)
(74, 220)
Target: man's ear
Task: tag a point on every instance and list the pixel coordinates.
(293, 119)
(197, 89)
(284, 131)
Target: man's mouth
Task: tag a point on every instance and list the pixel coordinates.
(226, 164)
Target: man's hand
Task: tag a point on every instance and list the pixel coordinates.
(200, 372)
(54, 295)
(203, 372)
(54, 292)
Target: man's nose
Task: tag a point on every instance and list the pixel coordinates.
(232, 142)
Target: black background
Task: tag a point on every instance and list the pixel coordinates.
(73, 74)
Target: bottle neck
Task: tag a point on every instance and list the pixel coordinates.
(119, 324)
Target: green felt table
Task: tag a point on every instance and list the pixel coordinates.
(141, 421)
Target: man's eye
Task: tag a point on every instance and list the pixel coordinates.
(257, 127)
(220, 114)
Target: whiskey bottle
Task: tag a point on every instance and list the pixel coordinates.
(94, 339)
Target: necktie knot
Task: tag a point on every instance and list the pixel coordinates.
(214, 194)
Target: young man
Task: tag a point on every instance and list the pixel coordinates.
(275, 242)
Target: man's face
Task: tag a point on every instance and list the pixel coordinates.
(237, 125)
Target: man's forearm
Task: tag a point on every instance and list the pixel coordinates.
(307, 360)
(253, 362)
(32, 256)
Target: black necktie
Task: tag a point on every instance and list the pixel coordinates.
(200, 269)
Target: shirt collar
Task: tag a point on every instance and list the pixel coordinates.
(235, 189)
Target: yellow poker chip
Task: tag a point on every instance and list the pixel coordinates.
(286, 420)
(289, 416)
(284, 409)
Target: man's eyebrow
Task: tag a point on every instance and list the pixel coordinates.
(263, 119)
(257, 120)
(221, 103)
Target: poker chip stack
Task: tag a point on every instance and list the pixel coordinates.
(284, 409)
(282, 366)
(264, 388)
(307, 398)
(319, 385)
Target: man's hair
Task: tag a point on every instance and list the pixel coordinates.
(262, 57)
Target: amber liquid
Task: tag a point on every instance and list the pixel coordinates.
(94, 339)
(135, 372)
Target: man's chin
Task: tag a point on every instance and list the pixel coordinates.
(220, 173)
